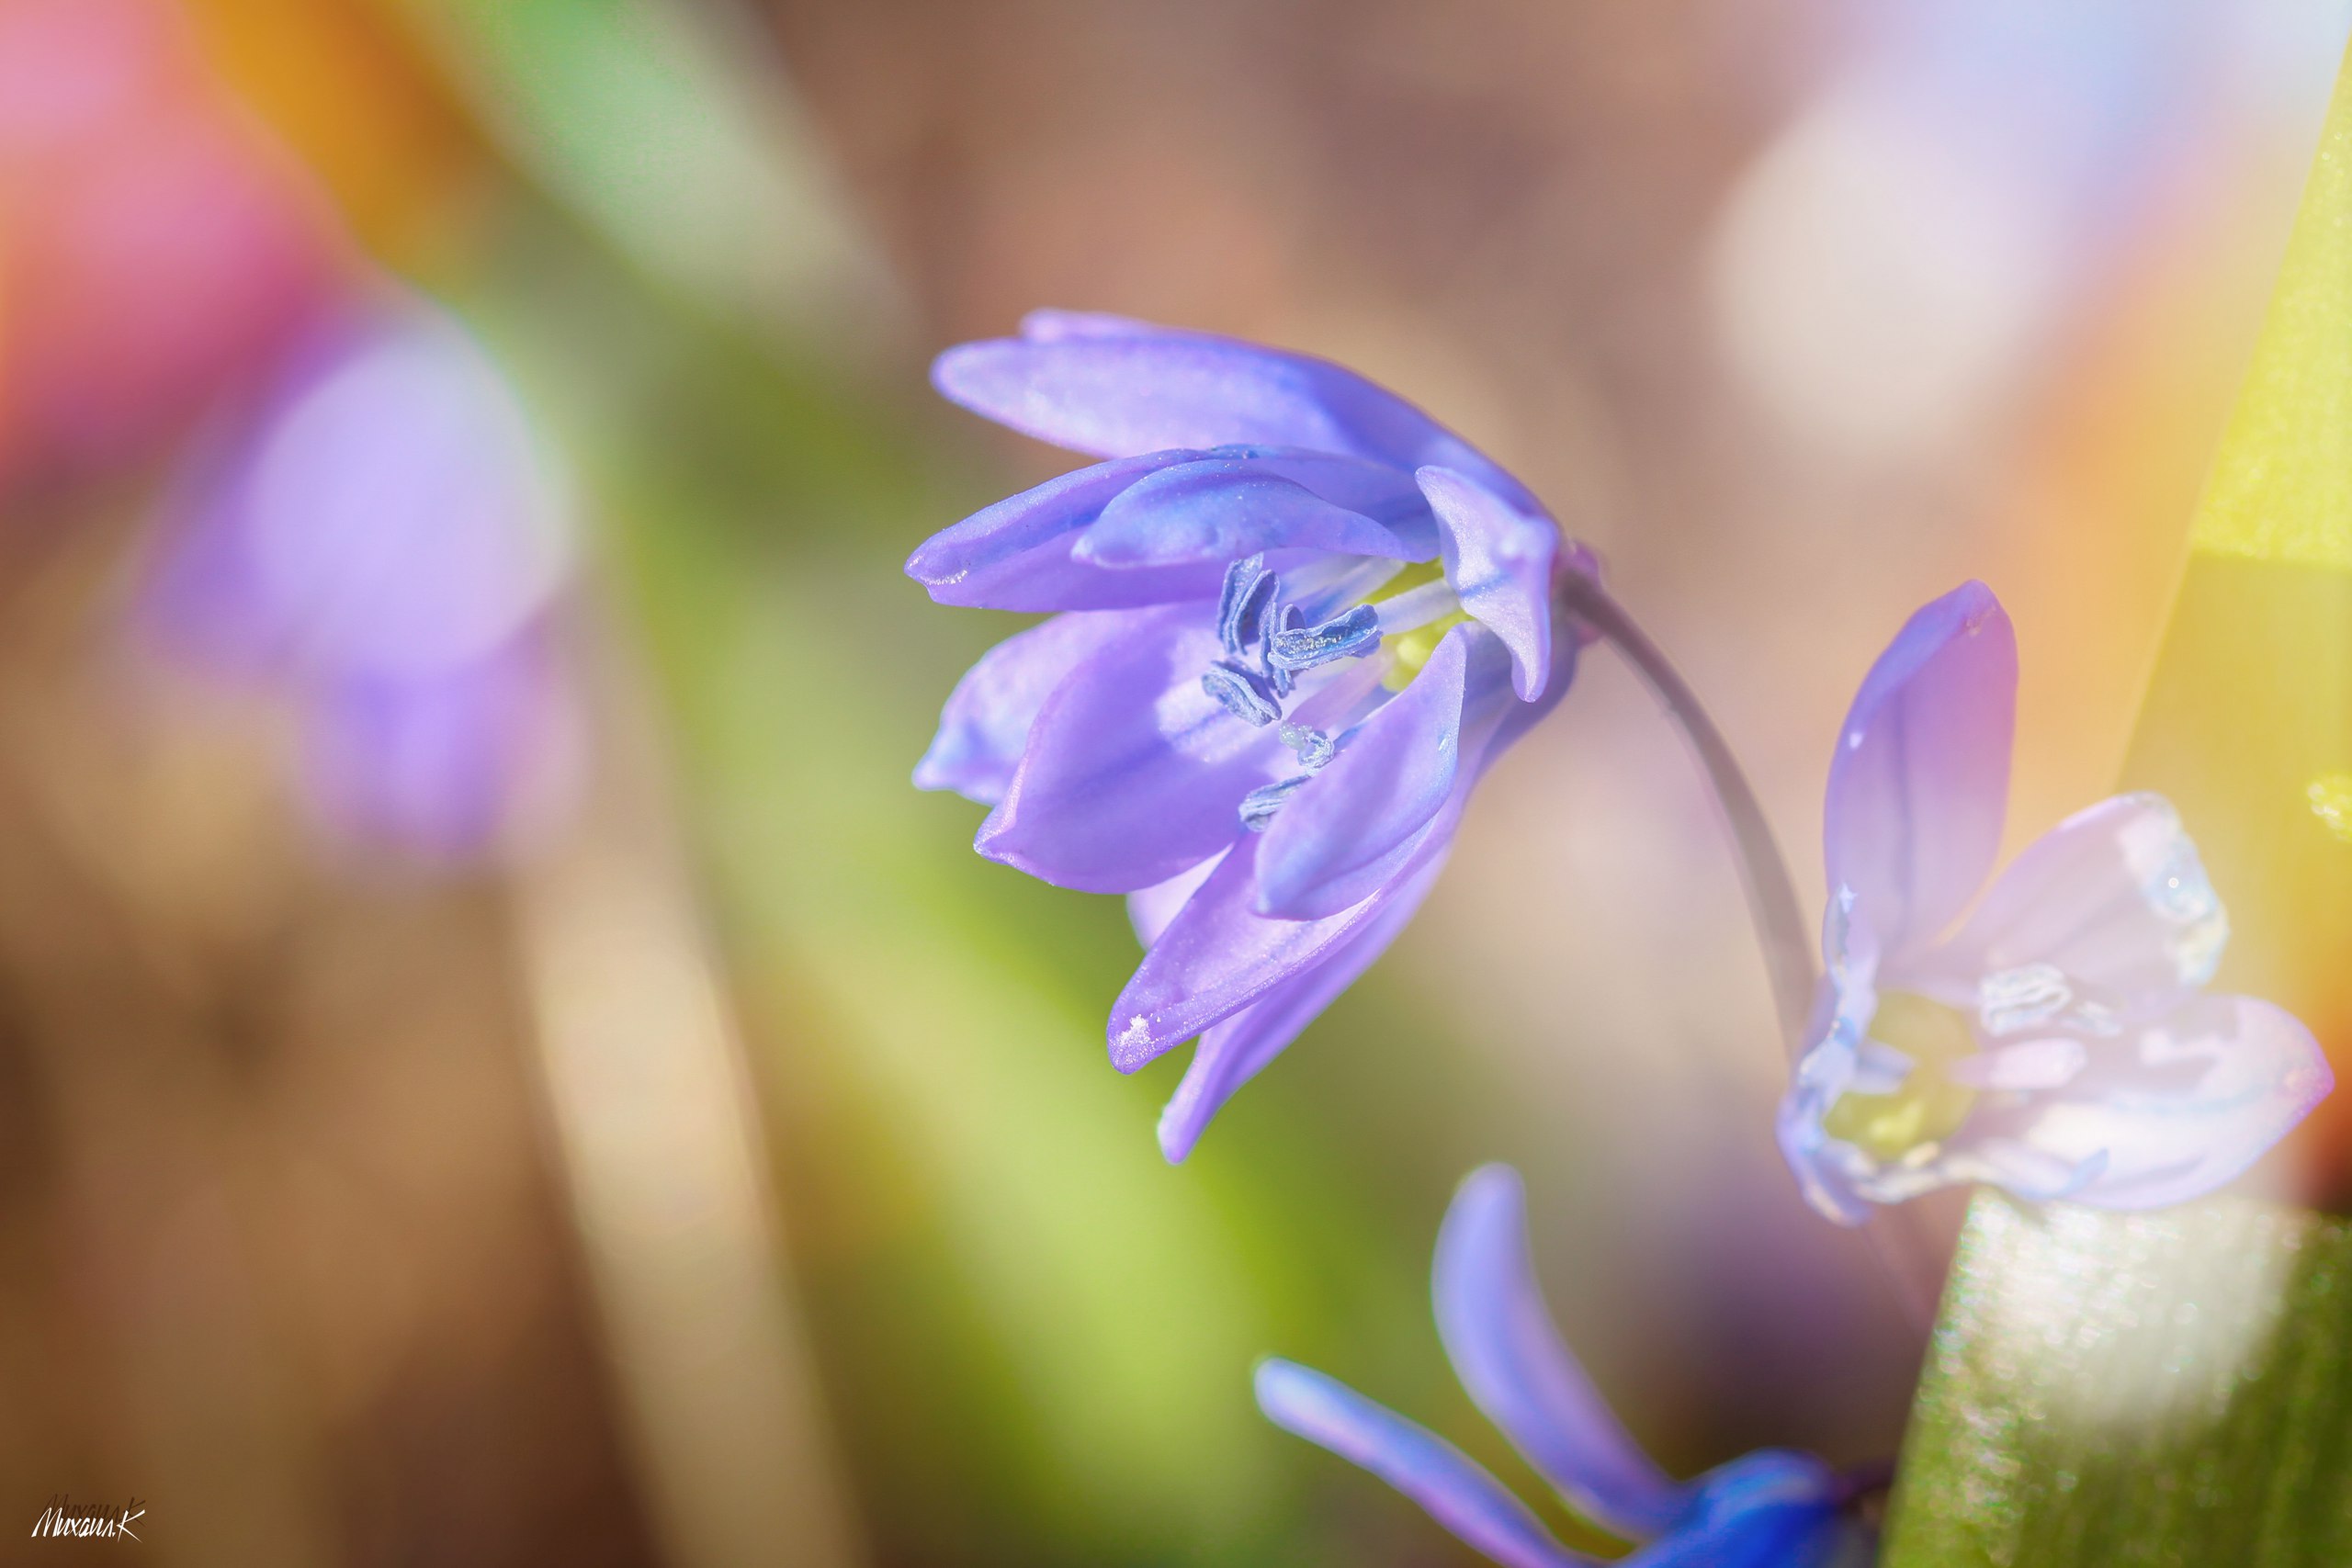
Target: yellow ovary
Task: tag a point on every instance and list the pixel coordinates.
(1415, 574)
(1929, 1107)
(1409, 650)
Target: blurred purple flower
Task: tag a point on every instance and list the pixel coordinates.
(447, 764)
(1297, 620)
(382, 538)
(1772, 1508)
(2061, 1044)
(2084, 105)
(1966, 170)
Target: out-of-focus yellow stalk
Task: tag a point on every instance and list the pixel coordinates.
(658, 1139)
(349, 90)
(2247, 724)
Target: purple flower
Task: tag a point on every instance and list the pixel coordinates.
(451, 764)
(381, 539)
(1296, 620)
(1772, 1508)
(2061, 1043)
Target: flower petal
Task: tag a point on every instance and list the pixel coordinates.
(1151, 908)
(1114, 388)
(1802, 1535)
(1396, 773)
(1444, 1481)
(1499, 561)
(1830, 1173)
(2046, 1064)
(1021, 553)
(1920, 781)
(2176, 1110)
(1234, 1052)
(1217, 957)
(385, 515)
(1047, 325)
(1387, 495)
(1762, 1478)
(987, 720)
(1827, 1169)
(1351, 829)
(2114, 900)
(2167, 1113)
(2032, 1174)
(1515, 1367)
(1132, 773)
(447, 764)
(1768, 1508)
(1220, 509)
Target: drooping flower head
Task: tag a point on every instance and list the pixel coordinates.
(1294, 620)
(1772, 1508)
(2060, 1043)
(383, 538)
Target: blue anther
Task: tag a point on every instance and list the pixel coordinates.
(1241, 692)
(1240, 603)
(1259, 806)
(1271, 620)
(1314, 748)
(1342, 636)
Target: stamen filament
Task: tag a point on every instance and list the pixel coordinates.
(1340, 696)
(1325, 587)
(1417, 607)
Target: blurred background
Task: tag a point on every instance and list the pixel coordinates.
(498, 1066)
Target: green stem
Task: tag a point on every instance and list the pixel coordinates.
(1903, 1251)
(1764, 871)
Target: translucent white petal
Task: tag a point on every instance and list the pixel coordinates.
(2114, 900)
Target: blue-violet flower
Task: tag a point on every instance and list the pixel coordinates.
(383, 539)
(2060, 1043)
(1772, 1508)
(1295, 619)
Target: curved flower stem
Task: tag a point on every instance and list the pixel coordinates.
(1764, 873)
(1902, 1252)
